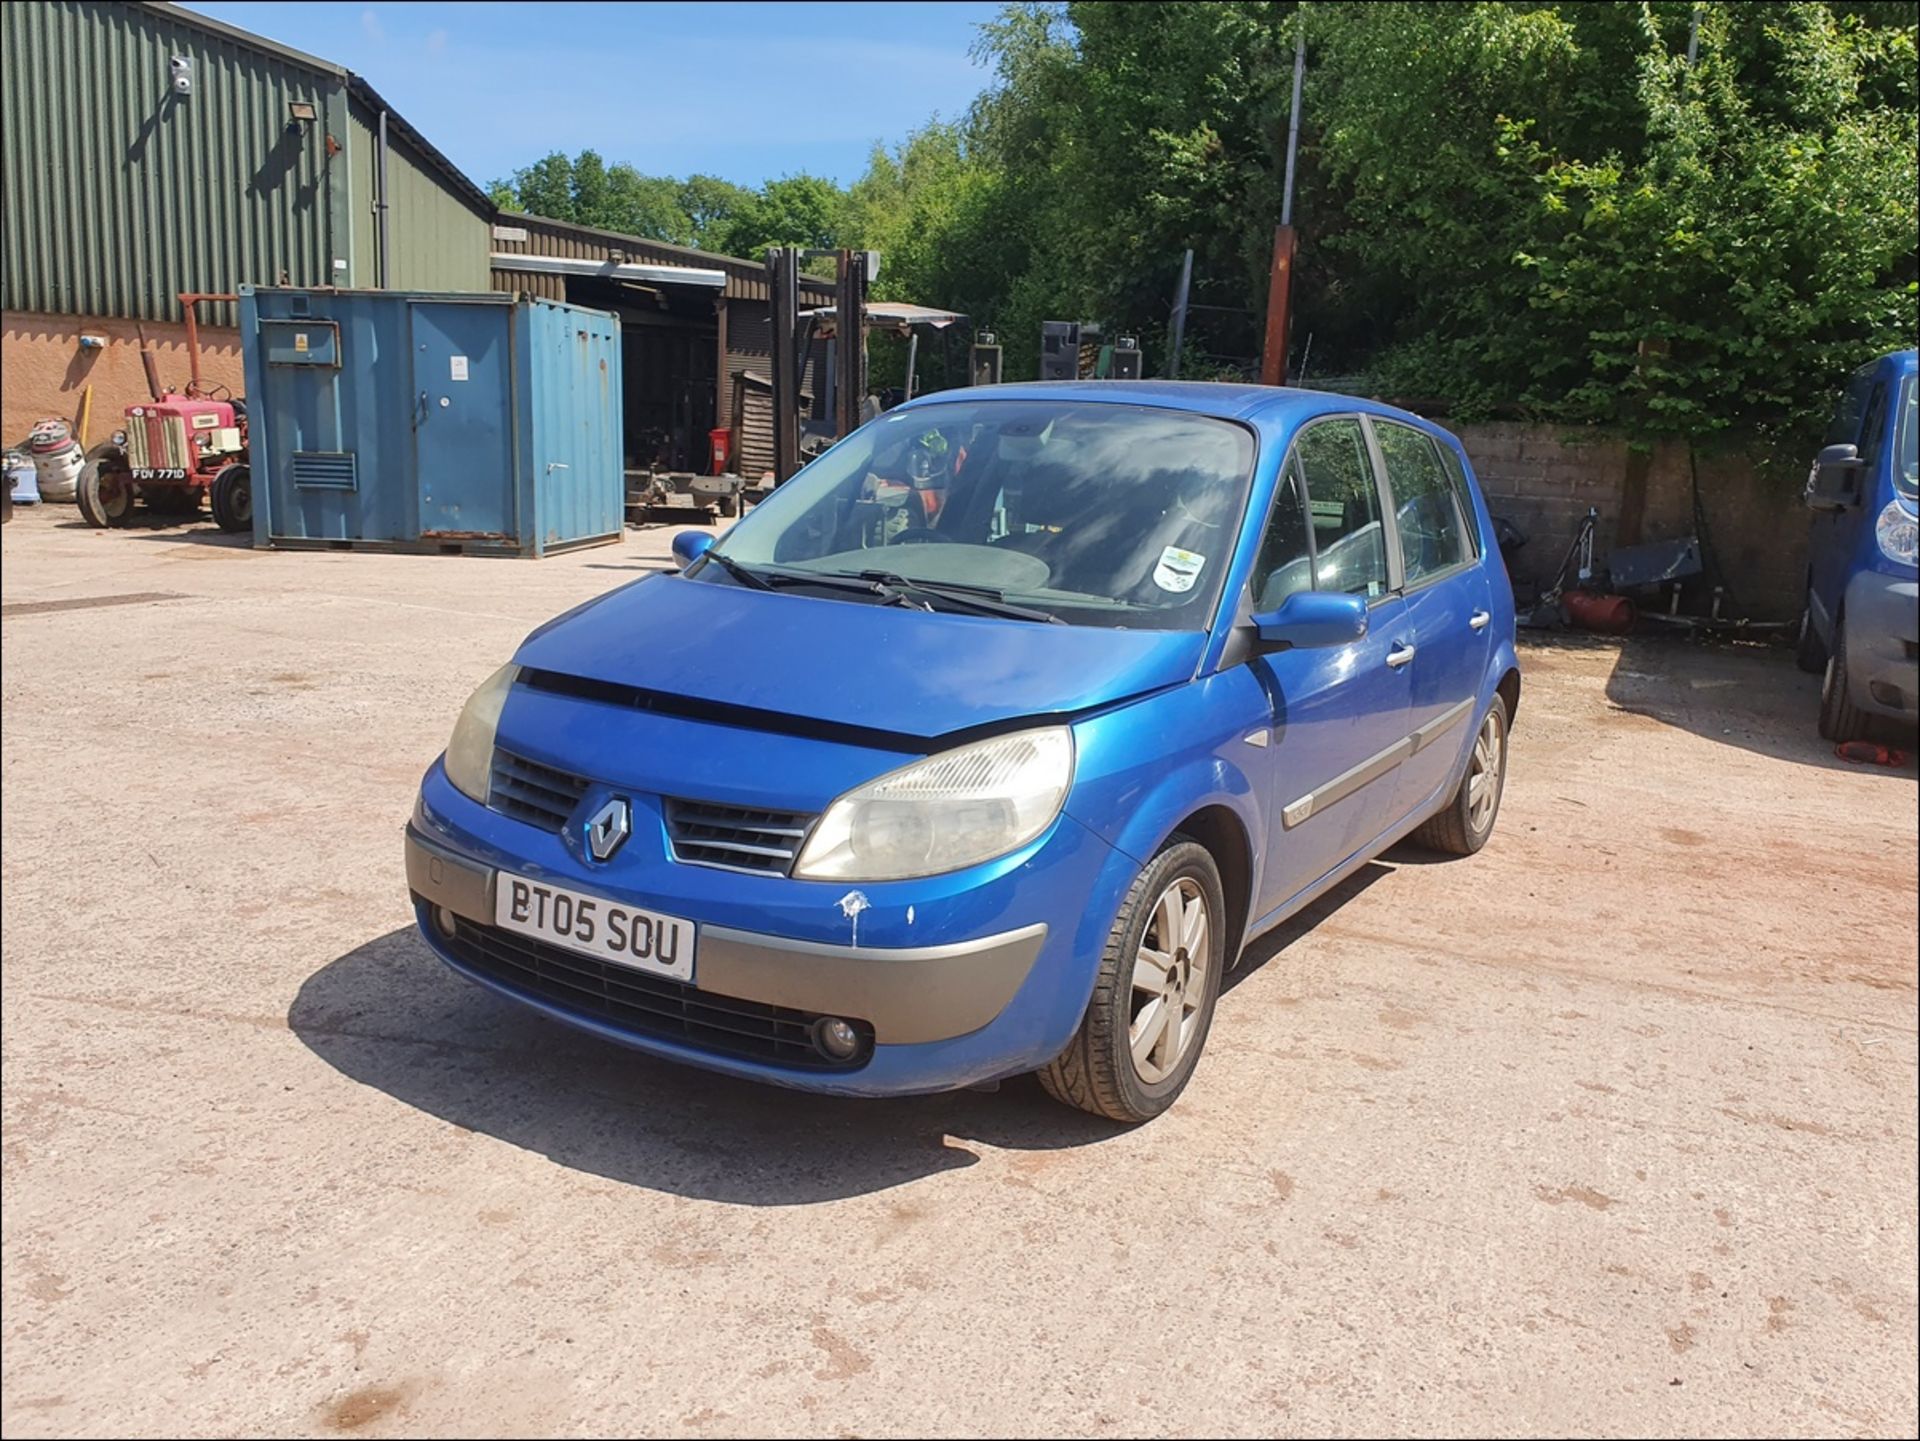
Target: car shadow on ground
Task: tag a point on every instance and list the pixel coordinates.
(1739, 693)
(389, 1015)
(1263, 948)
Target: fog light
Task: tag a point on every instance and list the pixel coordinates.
(835, 1039)
(1887, 695)
(443, 921)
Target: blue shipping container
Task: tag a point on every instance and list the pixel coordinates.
(399, 420)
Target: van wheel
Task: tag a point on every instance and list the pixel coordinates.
(1840, 718)
(1810, 655)
(1467, 820)
(1154, 995)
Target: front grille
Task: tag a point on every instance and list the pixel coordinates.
(647, 1005)
(157, 442)
(528, 791)
(735, 837)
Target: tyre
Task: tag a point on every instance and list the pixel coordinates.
(1840, 718)
(1462, 826)
(233, 499)
(1809, 654)
(105, 490)
(1154, 995)
(729, 505)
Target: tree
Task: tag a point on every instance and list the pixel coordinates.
(710, 204)
(542, 188)
(802, 210)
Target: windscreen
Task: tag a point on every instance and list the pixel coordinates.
(1090, 513)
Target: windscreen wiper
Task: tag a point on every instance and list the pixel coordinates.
(739, 572)
(874, 584)
(981, 599)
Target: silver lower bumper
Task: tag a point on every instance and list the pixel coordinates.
(926, 993)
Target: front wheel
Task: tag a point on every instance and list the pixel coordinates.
(1154, 995)
(1840, 718)
(105, 489)
(233, 499)
(1466, 822)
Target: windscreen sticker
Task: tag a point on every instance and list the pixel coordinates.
(1178, 569)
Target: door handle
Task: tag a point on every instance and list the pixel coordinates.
(1400, 654)
(1480, 620)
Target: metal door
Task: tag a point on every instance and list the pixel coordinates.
(462, 418)
(1339, 733)
(1449, 609)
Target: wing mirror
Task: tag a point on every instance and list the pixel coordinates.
(1312, 618)
(1834, 482)
(690, 545)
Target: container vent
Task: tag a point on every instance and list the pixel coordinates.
(324, 470)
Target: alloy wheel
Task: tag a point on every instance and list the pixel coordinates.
(1483, 773)
(1169, 980)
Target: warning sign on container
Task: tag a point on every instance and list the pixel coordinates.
(459, 367)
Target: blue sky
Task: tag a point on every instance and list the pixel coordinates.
(748, 92)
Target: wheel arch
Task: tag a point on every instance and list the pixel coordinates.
(1508, 689)
(1224, 836)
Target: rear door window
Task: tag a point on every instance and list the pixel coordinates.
(1462, 497)
(1433, 535)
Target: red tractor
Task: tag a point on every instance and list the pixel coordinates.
(172, 450)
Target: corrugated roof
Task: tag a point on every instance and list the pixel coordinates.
(738, 268)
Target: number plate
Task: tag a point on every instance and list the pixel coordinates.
(594, 926)
(159, 473)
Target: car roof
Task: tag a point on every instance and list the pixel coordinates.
(1271, 406)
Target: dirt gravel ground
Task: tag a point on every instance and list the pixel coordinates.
(1610, 1129)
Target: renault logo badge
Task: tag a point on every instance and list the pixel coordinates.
(608, 829)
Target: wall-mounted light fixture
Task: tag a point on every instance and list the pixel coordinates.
(299, 112)
(180, 72)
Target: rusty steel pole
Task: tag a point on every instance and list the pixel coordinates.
(1273, 355)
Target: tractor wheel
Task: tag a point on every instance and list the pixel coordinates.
(233, 499)
(105, 492)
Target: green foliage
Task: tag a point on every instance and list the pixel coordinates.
(588, 191)
(801, 210)
(1504, 206)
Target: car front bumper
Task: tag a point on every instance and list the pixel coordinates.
(1883, 644)
(952, 981)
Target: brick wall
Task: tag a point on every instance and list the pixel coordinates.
(45, 371)
(1543, 479)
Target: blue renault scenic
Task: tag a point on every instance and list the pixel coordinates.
(1860, 631)
(986, 742)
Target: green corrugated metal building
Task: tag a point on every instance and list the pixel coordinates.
(150, 150)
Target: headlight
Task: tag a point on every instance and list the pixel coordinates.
(469, 759)
(1898, 534)
(946, 812)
